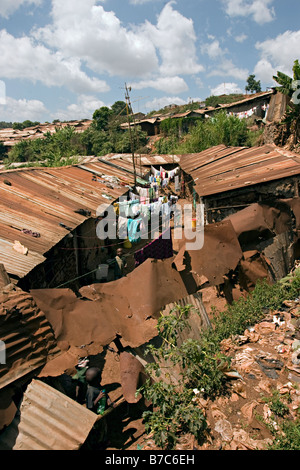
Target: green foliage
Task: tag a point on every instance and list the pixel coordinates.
(276, 404)
(5, 125)
(213, 101)
(201, 365)
(286, 82)
(286, 432)
(221, 129)
(175, 414)
(23, 125)
(119, 108)
(3, 152)
(287, 437)
(253, 85)
(101, 118)
(288, 86)
(54, 150)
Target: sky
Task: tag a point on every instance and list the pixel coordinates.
(63, 59)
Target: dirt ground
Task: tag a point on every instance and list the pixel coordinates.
(264, 359)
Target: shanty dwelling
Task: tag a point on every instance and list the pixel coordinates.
(148, 125)
(49, 329)
(48, 220)
(257, 191)
(9, 137)
(260, 105)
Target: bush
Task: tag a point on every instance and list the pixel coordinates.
(201, 364)
(203, 134)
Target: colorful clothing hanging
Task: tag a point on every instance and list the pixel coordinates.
(161, 248)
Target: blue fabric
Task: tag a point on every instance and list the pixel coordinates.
(133, 228)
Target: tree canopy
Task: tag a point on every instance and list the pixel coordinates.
(253, 85)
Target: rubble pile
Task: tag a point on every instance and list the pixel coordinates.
(265, 361)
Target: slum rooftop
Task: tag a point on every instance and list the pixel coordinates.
(220, 169)
(10, 136)
(40, 199)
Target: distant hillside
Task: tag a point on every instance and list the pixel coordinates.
(211, 101)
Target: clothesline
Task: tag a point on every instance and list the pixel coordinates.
(104, 246)
(249, 113)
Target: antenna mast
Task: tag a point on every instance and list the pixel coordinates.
(129, 108)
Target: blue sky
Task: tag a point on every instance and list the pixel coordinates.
(62, 59)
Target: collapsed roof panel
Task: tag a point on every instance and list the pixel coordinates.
(27, 335)
(127, 307)
(220, 254)
(49, 420)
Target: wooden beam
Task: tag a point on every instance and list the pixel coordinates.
(4, 277)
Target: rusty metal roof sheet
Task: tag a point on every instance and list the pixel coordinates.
(220, 169)
(144, 160)
(39, 199)
(12, 136)
(28, 336)
(49, 420)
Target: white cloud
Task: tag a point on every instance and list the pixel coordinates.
(226, 89)
(97, 38)
(21, 110)
(222, 65)
(261, 10)
(213, 49)
(2, 92)
(174, 37)
(8, 7)
(226, 68)
(277, 54)
(83, 109)
(241, 38)
(159, 103)
(21, 58)
(142, 2)
(166, 84)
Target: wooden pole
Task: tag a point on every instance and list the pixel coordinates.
(4, 277)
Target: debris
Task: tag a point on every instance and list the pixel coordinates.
(225, 429)
(17, 246)
(296, 357)
(64, 226)
(30, 232)
(84, 212)
(247, 410)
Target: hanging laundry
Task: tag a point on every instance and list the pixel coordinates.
(134, 230)
(161, 248)
(122, 227)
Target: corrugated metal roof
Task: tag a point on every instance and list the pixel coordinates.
(221, 169)
(144, 160)
(49, 420)
(11, 136)
(28, 336)
(39, 199)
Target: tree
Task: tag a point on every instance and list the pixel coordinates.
(290, 86)
(101, 118)
(287, 84)
(253, 85)
(119, 108)
(3, 152)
